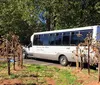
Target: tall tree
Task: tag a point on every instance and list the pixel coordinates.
(17, 16)
(23, 16)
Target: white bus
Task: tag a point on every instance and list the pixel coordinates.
(59, 44)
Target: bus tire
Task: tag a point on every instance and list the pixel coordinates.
(63, 60)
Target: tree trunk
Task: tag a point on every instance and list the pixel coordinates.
(14, 61)
(48, 22)
(77, 62)
(18, 59)
(98, 54)
(99, 68)
(8, 59)
(88, 59)
(21, 57)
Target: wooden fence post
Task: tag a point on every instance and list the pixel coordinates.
(98, 65)
(14, 62)
(8, 60)
(88, 58)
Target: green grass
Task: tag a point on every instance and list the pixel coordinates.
(37, 74)
(35, 68)
(66, 78)
(3, 65)
(13, 76)
(60, 76)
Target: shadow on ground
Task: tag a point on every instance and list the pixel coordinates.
(71, 64)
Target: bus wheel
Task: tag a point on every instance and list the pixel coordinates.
(63, 60)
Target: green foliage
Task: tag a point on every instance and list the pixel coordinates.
(67, 14)
(97, 7)
(3, 65)
(36, 68)
(16, 17)
(67, 77)
(13, 76)
(61, 76)
(22, 16)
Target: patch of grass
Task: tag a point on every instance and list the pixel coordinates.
(40, 70)
(37, 74)
(35, 68)
(29, 82)
(63, 76)
(66, 78)
(13, 76)
(3, 65)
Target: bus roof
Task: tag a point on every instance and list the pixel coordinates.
(70, 29)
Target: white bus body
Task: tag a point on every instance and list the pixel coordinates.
(59, 44)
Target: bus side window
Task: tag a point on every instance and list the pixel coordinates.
(41, 39)
(58, 38)
(84, 34)
(52, 39)
(46, 39)
(74, 38)
(35, 41)
(66, 38)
